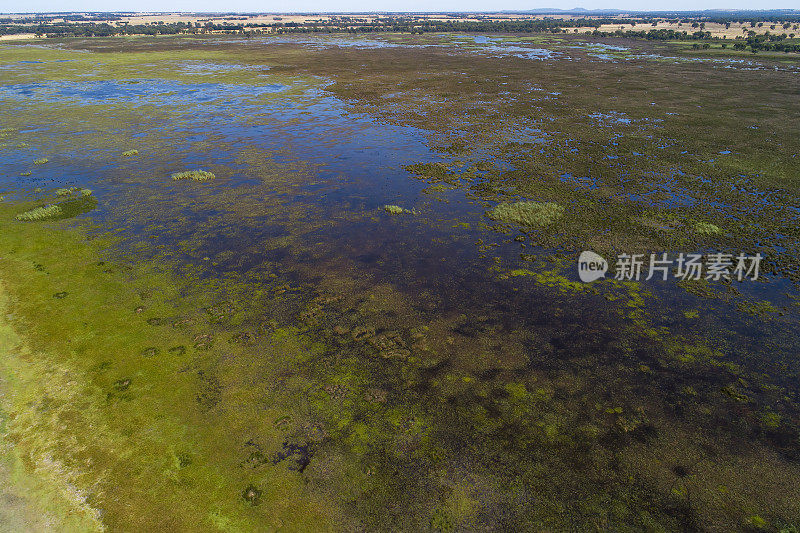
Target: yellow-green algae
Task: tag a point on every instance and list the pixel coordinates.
(551, 279)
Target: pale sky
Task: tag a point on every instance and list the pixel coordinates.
(269, 6)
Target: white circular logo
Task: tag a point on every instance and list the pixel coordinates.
(591, 266)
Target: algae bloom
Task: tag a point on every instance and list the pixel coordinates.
(706, 228)
(47, 212)
(395, 209)
(41, 161)
(527, 213)
(129, 153)
(196, 175)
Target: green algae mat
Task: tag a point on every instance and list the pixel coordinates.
(323, 283)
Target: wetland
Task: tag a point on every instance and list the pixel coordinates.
(329, 283)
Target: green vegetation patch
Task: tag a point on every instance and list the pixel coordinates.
(45, 212)
(129, 153)
(74, 206)
(706, 228)
(527, 213)
(395, 209)
(196, 175)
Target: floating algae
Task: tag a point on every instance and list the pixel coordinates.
(196, 175)
(41, 161)
(527, 213)
(129, 153)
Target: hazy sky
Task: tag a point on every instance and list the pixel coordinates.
(378, 5)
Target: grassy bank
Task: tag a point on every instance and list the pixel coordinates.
(107, 400)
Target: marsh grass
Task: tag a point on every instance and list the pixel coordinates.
(395, 209)
(527, 213)
(45, 212)
(67, 192)
(195, 175)
(74, 206)
(706, 228)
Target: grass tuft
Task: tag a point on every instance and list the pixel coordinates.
(527, 213)
(72, 206)
(47, 212)
(196, 175)
(706, 228)
(395, 209)
(67, 192)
